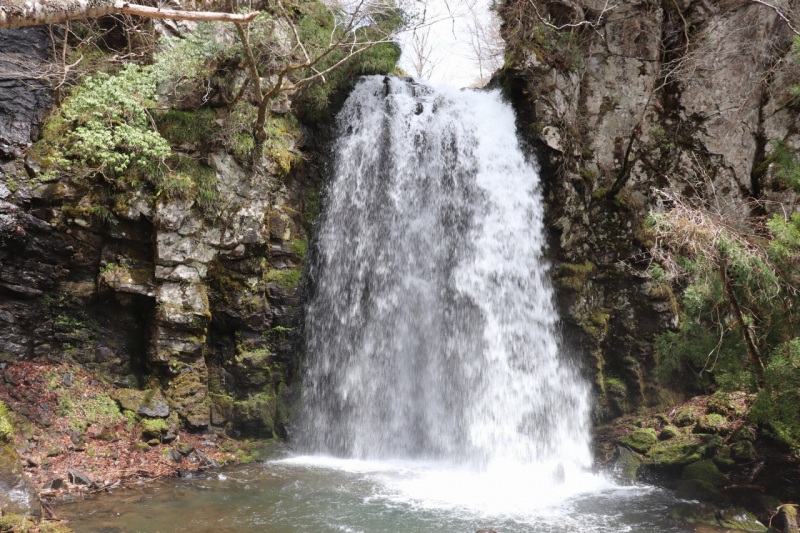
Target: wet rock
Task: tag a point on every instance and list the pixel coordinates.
(787, 519)
(174, 455)
(17, 495)
(729, 519)
(626, 466)
(53, 484)
(76, 477)
(185, 449)
(739, 520)
(25, 96)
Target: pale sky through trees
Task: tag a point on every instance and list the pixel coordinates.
(448, 49)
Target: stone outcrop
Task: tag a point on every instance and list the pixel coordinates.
(152, 292)
(689, 97)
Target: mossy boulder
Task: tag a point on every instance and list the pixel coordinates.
(150, 403)
(743, 450)
(739, 520)
(705, 471)
(640, 440)
(722, 458)
(713, 423)
(668, 432)
(732, 519)
(679, 451)
(686, 415)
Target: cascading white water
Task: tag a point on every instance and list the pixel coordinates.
(431, 332)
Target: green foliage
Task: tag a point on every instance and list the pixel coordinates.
(786, 162)
(661, 138)
(110, 128)
(794, 90)
(186, 178)
(187, 127)
(192, 56)
(315, 26)
(236, 131)
(777, 406)
(300, 248)
(737, 291)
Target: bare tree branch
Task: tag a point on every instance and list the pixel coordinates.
(780, 13)
(20, 13)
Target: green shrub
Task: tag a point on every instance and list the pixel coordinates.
(777, 406)
(110, 128)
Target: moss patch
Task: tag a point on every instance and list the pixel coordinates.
(286, 279)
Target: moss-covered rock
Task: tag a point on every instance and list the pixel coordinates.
(668, 432)
(705, 471)
(679, 451)
(640, 440)
(731, 519)
(743, 450)
(712, 423)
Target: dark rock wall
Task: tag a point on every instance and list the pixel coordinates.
(687, 97)
(150, 292)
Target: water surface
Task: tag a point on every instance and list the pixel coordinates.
(321, 495)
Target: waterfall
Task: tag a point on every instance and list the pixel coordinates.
(431, 333)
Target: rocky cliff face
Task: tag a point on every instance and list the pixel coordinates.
(623, 100)
(152, 292)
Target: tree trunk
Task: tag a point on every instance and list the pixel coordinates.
(19, 13)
